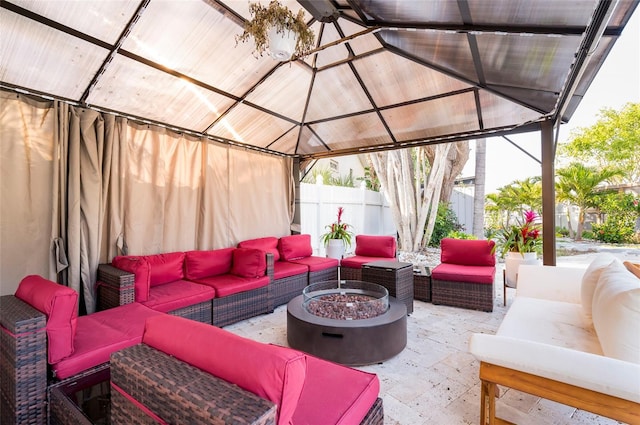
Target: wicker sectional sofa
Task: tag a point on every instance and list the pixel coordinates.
(219, 287)
(232, 379)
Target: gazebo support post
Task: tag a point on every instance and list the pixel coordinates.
(548, 194)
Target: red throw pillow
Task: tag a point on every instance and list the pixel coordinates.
(60, 304)
(376, 246)
(467, 252)
(248, 262)
(268, 244)
(202, 264)
(295, 246)
(165, 268)
(140, 268)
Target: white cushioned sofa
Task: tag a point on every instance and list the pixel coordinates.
(572, 336)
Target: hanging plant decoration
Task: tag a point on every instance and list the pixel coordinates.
(277, 21)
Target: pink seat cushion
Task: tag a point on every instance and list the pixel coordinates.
(200, 264)
(165, 268)
(229, 284)
(294, 247)
(248, 262)
(376, 246)
(317, 263)
(470, 274)
(335, 394)
(178, 294)
(100, 334)
(60, 304)
(272, 372)
(268, 244)
(467, 252)
(357, 261)
(282, 269)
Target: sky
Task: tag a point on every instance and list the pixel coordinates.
(617, 83)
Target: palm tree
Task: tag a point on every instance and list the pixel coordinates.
(576, 185)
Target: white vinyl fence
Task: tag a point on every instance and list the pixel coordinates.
(367, 211)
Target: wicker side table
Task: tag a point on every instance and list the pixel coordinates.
(422, 284)
(397, 277)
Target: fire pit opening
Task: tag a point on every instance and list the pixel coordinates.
(345, 300)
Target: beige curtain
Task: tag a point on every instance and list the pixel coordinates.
(27, 154)
(79, 187)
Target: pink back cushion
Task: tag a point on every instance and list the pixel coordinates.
(165, 268)
(295, 246)
(201, 264)
(269, 371)
(140, 268)
(467, 252)
(60, 304)
(269, 244)
(376, 246)
(249, 262)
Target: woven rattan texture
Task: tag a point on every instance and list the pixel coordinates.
(116, 287)
(349, 273)
(375, 415)
(474, 296)
(284, 290)
(398, 281)
(199, 312)
(23, 363)
(243, 305)
(178, 392)
(422, 287)
(321, 275)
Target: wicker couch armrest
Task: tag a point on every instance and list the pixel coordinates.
(270, 266)
(178, 392)
(115, 287)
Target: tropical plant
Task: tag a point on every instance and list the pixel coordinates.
(283, 20)
(577, 185)
(446, 223)
(370, 179)
(459, 234)
(338, 230)
(521, 237)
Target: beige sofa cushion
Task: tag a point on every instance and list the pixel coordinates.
(590, 279)
(616, 313)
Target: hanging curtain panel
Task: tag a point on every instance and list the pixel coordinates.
(26, 197)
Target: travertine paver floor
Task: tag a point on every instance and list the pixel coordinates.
(435, 379)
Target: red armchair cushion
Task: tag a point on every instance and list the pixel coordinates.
(282, 269)
(317, 263)
(201, 264)
(140, 268)
(229, 284)
(458, 273)
(165, 268)
(102, 333)
(335, 394)
(268, 244)
(248, 262)
(272, 372)
(294, 247)
(357, 261)
(60, 304)
(178, 294)
(376, 246)
(467, 252)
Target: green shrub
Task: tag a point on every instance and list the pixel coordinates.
(588, 234)
(562, 232)
(618, 227)
(446, 222)
(457, 234)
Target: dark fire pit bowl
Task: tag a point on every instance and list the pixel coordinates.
(345, 300)
(350, 342)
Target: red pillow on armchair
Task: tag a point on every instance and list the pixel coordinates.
(376, 246)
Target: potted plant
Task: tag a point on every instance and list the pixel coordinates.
(276, 29)
(519, 244)
(338, 237)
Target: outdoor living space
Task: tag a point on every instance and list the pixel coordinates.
(434, 380)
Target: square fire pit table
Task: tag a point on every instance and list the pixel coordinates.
(397, 277)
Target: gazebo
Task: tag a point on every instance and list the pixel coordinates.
(149, 91)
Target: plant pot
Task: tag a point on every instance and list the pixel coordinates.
(281, 44)
(335, 248)
(512, 262)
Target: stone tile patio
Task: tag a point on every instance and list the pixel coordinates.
(435, 379)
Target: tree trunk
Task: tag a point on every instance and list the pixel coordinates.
(456, 159)
(478, 197)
